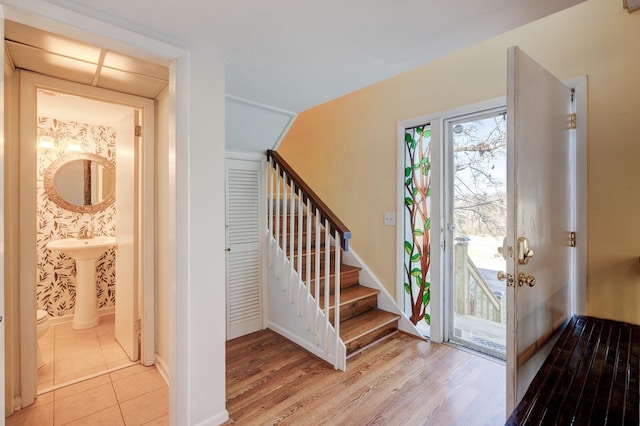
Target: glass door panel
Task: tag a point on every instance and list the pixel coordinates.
(477, 227)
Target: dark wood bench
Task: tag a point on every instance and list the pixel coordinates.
(591, 377)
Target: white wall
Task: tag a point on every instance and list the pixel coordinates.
(199, 338)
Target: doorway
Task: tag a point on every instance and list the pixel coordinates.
(146, 54)
(540, 163)
(134, 293)
(476, 222)
(85, 168)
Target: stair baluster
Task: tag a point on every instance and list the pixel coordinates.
(299, 258)
(317, 281)
(327, 282)
(277, 234)
(308, 270)
(283, 243)
(292, 232)
(341, 364)
(270, 217)
(314, 280)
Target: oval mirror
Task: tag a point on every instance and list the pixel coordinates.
(81, 182)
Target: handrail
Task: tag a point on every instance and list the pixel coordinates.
(336, 224)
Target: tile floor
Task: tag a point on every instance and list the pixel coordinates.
(72, 354)
(135, 395)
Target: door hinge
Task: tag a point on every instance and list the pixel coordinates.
(137, 327)
(573, 121)
(572, 239)
(138, 130)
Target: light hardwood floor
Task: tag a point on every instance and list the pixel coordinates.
(401, 381)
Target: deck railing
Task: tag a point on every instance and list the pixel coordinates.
(299, 225)
(474, 297)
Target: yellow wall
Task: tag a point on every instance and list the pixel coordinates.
(346, 149)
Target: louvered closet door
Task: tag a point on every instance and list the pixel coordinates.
(244, 270)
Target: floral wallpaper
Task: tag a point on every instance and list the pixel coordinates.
(55, 287)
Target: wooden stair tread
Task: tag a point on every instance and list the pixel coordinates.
(350, 294)
(360, 325)
(344, 269)
(315, 251)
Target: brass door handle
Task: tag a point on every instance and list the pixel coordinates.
(524, 252)
(523, 279)
(504, 276)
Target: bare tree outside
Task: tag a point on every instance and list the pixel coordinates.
(479, 197)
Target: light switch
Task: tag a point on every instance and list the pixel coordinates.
(389, 218)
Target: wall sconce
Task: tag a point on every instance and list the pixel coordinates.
(73, 146)
(46, 142)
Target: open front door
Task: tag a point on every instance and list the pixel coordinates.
(540, 217)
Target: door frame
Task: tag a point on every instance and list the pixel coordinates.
(579, 295)
(438, 222)
(29, 83)
(447, 214)
(5, 236)
(438, 258)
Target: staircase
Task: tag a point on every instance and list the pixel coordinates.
(306, 243)
(361, 322)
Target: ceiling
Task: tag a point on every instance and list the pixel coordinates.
(51, 54)
(289, 54)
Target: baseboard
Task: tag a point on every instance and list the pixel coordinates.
(385, 301)
(216, 420)
(305, 345)
(163, 369)
(67, 318)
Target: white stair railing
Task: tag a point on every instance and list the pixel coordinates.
(292, 207)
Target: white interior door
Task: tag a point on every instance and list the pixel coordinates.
(126, 253)
(540, 167)
(244, 215)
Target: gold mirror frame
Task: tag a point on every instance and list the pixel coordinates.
(50, 188)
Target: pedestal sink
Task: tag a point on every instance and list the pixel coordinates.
(85, 252)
